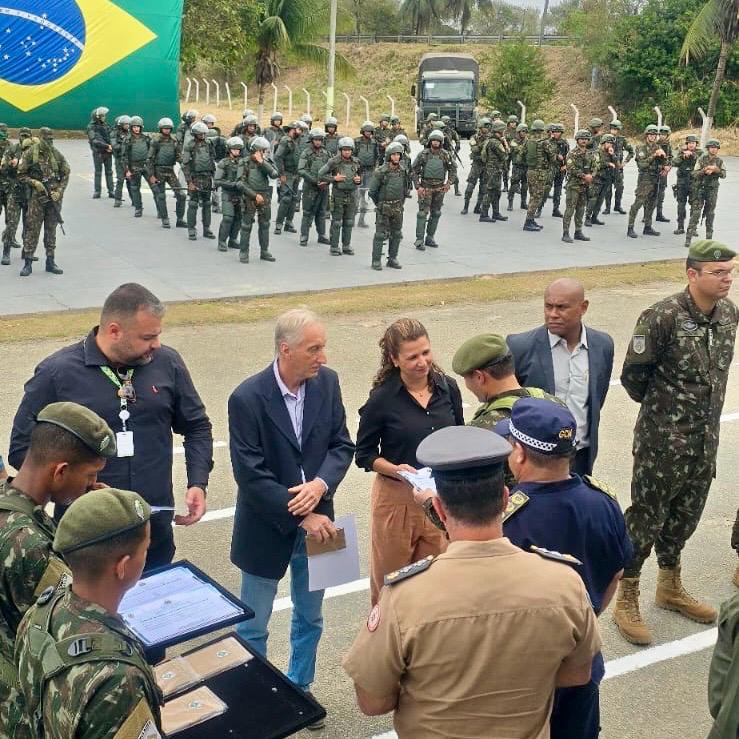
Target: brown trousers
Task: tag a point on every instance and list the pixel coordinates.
(400, 532)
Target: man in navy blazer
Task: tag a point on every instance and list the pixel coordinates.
(569, 360)
(290, 450)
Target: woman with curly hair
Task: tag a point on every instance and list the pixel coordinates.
(410, 398)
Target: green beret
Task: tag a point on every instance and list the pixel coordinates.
(83, 423)
(99, 516)
(478, 352)
(708, 250)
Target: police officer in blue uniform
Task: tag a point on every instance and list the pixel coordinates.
(578, 516)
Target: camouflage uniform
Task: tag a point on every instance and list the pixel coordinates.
(98, 135)
(5, 145)
(494, 156)
(540, 157)
(432, 170)
(29, 566)
(343, 200)
(255, 181)
(274, 134)
(645, 195)
(559, 170)
(164, 153)
(228, 173)
(199, 166)
(106, 692)
(684, 161)
(287, 156)
(477, 171)
(676, 367)
(704, 193)
(119, 143)
(367, 151)
(579, 164)
(519, 181)
(387, 190)
(664, 142)
(604, 166)
(42, 166)
(135, 156)
(17, 197)
(315, 193)
(617, 186)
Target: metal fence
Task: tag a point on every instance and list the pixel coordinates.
(461, 39)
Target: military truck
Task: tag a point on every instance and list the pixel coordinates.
(448, 84)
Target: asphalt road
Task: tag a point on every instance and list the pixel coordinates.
(659, 699)
(105, 247)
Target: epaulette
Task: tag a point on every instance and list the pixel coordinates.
(591, 482)
(557, 556)
(516, 501)
(409, 570)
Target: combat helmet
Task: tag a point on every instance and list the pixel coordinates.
(165, 123)
(608, 138)
(538, 125)
(512, 119)
(306, 118)
(436, 135)
(713, 142)
(137, 120)
(190, 115)
(24, 133)
(259, 143)
(485, 122)
(276, 116)
(331, 121)
(651, 128)
(250, 120)
(665, 129)
(385, 117)
(367, 127)
(583, 133)
(394, 119)
(235, 142)
(101, 112)
(401, 139)
(199, 129)
(595, 123)
(557, 127)
(692, 138)
(123, 120)
(615, 123)
(432, 117)
(46, 134)
(316, 133)
(346, 142)
(498, 127)
(395, 148)
(522, 127)
(208, 118)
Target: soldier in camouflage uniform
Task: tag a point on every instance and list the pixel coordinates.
(17, 198)
(494, 155)
(257, 193)
(183, 133)
(540, 158)
(455, 143)
(135, 156)
(595, 127)
(83, 673)
(343, 173)
(368, 153)
(240, 129)
(218, 143)
(559, 168)
(98, 135)
(684, 161)
(331, 142)
(664, 142)
(383, 132)
(519, 183)
(604, 166)
(477, 169)
(427, 127)
(275, 132)
(119, 140)
(510, 136)
(286, 161)
(315, 192)
(5, 145)
(66, 437)
(227, 177)
(387, 190)
(704, 189)
(650, 158)
(199, 166)
(676, 368)
(433, 172)
(395, 128)
(621, 146)
(45, 173)
(164, 152)
(579, 166)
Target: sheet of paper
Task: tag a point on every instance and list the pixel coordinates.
(421, 480)
(191, 709)
(172, 603)
(336, 568)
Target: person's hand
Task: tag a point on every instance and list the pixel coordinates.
(56, 195)
(13, 162)
(612, 165)
(660, 153)
(306, 497)
(128, 174)
(283, 179)
(38, 186)
(322, 185)
(420, 191)
(445, 187)
(99, 485)
(588, 179)
(153, 180)
(318, 526)
(404, 468)
(258, 156)
(340, 178)
(421, 496)
(191, 186)
(259, 199)
(109, 148)
(195, 501)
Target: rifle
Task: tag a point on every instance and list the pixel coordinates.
(54, 205)
(456, 154)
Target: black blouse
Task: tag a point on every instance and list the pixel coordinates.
(392, 423)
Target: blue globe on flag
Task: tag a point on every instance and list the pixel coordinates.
(40, 40)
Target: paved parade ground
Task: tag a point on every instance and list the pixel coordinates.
(658, 692)
(105, 247)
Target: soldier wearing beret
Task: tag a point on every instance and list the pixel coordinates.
(445, 645)
(83, 673)
(676, 368)
(551, 508)
(69, 446)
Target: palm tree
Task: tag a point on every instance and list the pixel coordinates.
(461, 10)
(291, 25)
(421, 13)
(716, 19)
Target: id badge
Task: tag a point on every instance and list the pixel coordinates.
(124, 442)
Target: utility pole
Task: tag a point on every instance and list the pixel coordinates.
(543, 22)
(331, 60)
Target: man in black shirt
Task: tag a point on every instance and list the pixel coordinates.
(144, 392)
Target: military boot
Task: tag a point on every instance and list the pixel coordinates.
(361, 222)
(477, 208)
(680, 227)
(266, 255)
(661, 216)
(607, 208)
(165, 222)
(418, 243)
(631, 233)
(6, 255)
(596, 221)
(322, 239)
(567, 238)
(393, 263)
(15, 245)
(278, 229)
(192, 234)
(244, 254)
(430, 242)
(497, 215)
(530, 225)
(484, 217)
(672, 596)
(233, 244)
(524, 204)
(709, 234)
(96, 196)
(588, 221)
(290, 229)
(222, 245)
(27, 267)
(649, 231)
(180, 223)
(456, 189)
(557, 213)
(466, 207)
(580, 236)
(619, 209)
(377, 255)
(208, 234)
(510, 202)
(626, 613)
(53, 267)
(117, 203)
(138, 213)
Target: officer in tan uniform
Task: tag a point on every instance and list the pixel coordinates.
(477, 638)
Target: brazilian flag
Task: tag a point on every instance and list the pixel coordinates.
(59, 59)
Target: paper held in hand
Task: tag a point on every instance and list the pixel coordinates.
(331, 564)
(420, 480)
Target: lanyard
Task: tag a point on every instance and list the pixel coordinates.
(125, 391)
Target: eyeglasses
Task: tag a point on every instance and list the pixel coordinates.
(720, 273)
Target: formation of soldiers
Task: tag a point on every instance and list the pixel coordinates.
(541, 164)
(330, 175)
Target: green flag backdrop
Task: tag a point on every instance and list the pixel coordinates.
(59, 59)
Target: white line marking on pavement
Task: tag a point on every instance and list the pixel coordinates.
(633, 662)
(219, 514)
(216, 445)
(357, 586)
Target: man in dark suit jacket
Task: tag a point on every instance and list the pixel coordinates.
(569, 360)
(290, 450)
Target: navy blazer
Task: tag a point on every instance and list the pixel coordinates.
(266, 460)
(534, 368)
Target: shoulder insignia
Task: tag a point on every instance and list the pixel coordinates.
(45, 596)
(516, 501)
(639, 343)
(557, 556)
(409, 570)
(591, 482)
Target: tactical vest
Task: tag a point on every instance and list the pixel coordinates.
(393, 184)
(709, 181)
(200, 158)
(685, 167)
(314, 160)
(434, 167)
(255, 177)
(228, 170)
(166, 151)
(56, 657)
(349, 169)
(535, 157)
(138, 149)
(366, 151)
(331, 143)
(289, 154)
